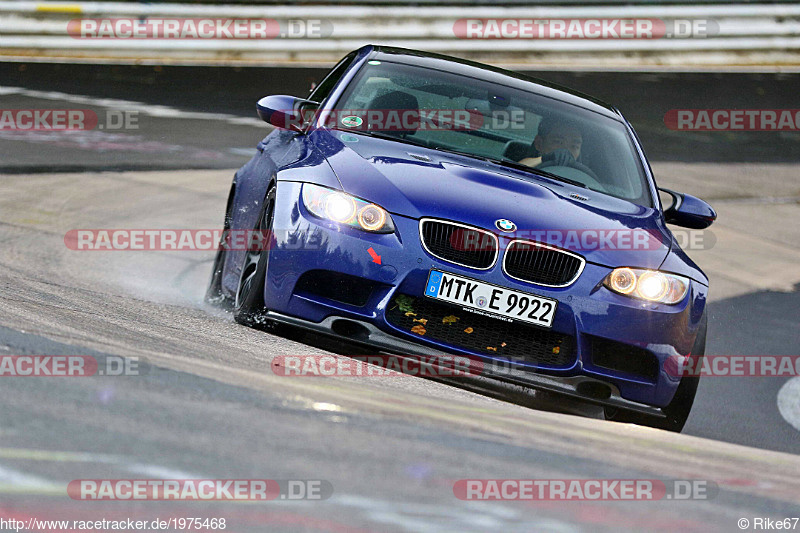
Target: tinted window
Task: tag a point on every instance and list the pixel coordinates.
(500, 122)
(321, 91)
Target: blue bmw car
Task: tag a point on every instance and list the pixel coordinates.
(423, 204)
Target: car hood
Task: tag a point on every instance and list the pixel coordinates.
(419, 182)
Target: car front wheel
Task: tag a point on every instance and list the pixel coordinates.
(248, 307)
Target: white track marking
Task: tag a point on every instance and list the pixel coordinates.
(161, 472)
(59, 456)
(789, 402)
(22, 482)
(152, 110)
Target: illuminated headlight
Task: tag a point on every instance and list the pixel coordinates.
(650, 285)
(340, 207)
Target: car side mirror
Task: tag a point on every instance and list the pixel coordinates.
(688, 211)
(287, 112)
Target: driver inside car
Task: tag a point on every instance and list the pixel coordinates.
(559, 142)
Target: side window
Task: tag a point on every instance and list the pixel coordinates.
(321, 91)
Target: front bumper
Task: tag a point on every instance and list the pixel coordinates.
(587, 312)
(581, 387)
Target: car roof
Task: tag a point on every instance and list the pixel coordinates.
(493, 75)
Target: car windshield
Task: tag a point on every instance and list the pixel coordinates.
(505, 124)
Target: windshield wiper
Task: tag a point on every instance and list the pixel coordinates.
(533, 170)
(466, 154)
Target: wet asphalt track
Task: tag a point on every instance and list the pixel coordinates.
(209, 407)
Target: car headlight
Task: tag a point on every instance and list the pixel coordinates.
(343, 208)
(650, 285)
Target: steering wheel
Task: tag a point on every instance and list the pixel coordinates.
(577, 166)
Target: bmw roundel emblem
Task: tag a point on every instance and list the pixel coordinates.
(505, 225)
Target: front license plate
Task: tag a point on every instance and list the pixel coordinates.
(488, 299)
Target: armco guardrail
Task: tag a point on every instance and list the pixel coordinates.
(698, 36)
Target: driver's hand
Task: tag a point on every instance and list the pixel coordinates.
(562, 157)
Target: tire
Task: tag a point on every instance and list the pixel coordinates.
(678, 409)
(214, 294)
(248, 306)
